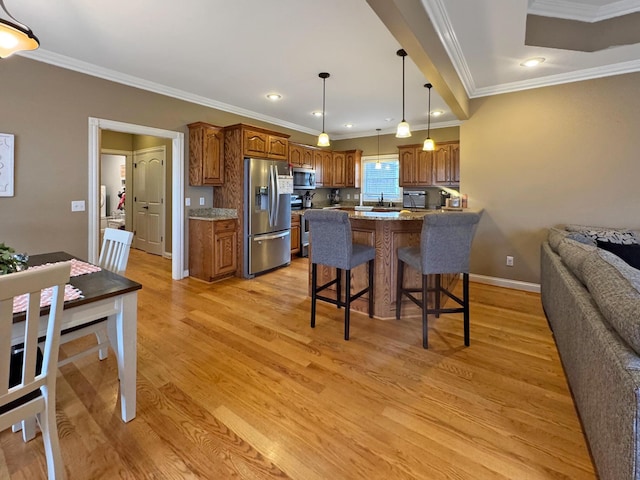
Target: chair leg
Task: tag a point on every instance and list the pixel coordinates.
(465, 305)
(314, 280)
(370, 293)
(47, 421)
(425, 327)
(339, 287)
(101, 337)
(28, 429)
(347, 305)
(437, 294)
(399, 288)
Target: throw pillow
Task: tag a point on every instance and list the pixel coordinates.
(612, 235)
(628, 253)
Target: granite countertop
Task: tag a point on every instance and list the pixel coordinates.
(388, 215)
(212, 214)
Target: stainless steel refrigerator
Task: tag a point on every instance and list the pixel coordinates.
(267, 217)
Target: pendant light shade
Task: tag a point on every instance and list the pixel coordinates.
(429, 145)
(14, 36)
(323, 138)
(378, 164)
(403, 131)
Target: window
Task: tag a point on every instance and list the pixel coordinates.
(384, 180)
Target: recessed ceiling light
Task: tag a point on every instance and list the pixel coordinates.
(390, 119)
(348, 125)
(274, 96)
(316, 114)
(437, 113)
(532, 62)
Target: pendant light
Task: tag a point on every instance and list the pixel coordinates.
(323, 138)
(429, 145)
(378, 164)
(15, 36)
(404, 131)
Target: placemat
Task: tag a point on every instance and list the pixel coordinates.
(70, 293)
(78, 267)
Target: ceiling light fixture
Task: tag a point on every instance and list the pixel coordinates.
(323, 138)
(274, 96)
(348, 125)
(316, 114)
(403, 131)
(532, 62)
(15, 36)
(437, 113)
(378, 164)
(429, 145)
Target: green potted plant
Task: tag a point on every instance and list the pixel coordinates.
(10, 261)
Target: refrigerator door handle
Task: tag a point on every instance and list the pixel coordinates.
(275, 236)
(272, 187)
(277, 194)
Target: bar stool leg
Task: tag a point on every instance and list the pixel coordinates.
(370, 288)
(399, 289)
(425, 329)
(465, 305)
(339, 287)
(437, 297)
(314, 279)
(347, 305)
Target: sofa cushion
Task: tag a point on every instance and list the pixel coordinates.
(629, 253)
(605, 234)
(573, 255)
(615, 287)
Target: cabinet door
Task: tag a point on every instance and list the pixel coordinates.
(455, 163)
(441, 165)
(296, 154)
(407, 157)
(327, 168)
(295, 234)
(423, 170)
(277, 148)
(225, 253)
(338, 169)
(307, 157)
(206, 154)
(200, 249)
(255, 143)
(352, 168)
(317, 165)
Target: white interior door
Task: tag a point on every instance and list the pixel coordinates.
(148, 199)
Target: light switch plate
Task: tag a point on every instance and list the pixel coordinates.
(201, 200)
(77, 206)
(187, 202)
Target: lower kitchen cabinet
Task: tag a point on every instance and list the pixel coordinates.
(213, 247)
(295, 234)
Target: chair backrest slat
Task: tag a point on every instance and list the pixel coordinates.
(114, 254)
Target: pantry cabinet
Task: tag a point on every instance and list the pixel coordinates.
(206, 154)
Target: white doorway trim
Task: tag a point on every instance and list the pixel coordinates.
(177, 175)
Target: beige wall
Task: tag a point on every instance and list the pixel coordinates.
(47, 109)
(549, 156)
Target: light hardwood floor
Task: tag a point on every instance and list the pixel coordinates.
(233, 383)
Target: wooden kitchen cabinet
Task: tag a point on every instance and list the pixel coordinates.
(352, 168)
(212, 249)
(295, 233)
(265, 144)
(446, 164)
(206, 154)
(317, 166)
(416, 166)
(301, 155)
(327, 169)
(338, 169)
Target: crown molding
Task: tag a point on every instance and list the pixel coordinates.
(68, 63)
(577, 76)
(572, 10)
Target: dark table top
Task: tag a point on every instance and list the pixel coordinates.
(94, 286)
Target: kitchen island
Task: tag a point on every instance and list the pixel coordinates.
(386, 231)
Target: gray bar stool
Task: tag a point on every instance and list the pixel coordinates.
(445, 246)
(332, 246)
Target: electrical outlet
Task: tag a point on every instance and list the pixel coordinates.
(187, 202)
(356, 196)
(201, 200)
(509, 261)
(77, 206)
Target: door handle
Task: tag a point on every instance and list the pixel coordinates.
(146, 207)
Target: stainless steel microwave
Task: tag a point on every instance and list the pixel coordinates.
(304, 178)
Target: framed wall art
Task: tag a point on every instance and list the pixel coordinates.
(6, 165)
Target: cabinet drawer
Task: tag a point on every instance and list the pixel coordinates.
(220, 226)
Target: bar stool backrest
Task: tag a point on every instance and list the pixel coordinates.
(445, 242)
(331, 241)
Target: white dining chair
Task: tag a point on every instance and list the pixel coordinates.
(114, 256)
(27, 376)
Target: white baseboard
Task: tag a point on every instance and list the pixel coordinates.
(185, 274)
(167, 255)
(505, 282)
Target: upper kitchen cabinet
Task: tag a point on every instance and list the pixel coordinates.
(446, 164)
(416, 166)
(300, 155)
(338, 168)
(263, 143)
(206, 154)
(352, 168)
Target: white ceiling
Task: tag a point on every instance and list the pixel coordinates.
(230, 54)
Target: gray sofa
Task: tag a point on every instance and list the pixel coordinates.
(592, 301)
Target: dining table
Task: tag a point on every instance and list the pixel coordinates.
(96, 293)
